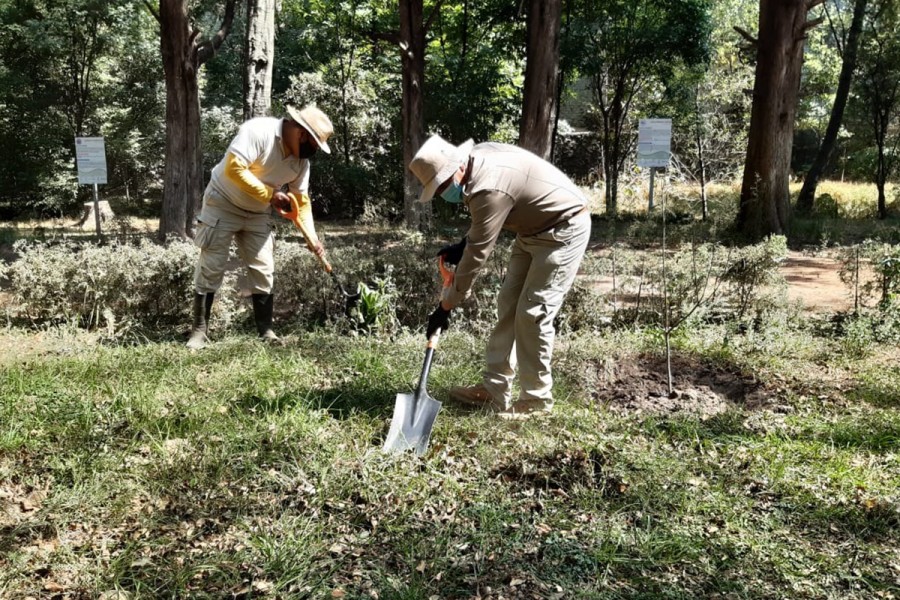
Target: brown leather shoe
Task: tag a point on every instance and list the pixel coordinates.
(475, 396)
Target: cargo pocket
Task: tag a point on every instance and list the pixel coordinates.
(206, 229)
(548, 296)
(543, 304)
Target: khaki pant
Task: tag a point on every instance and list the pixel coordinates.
(220, 221)
(541, 270)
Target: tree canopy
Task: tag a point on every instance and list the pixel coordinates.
(95, 68)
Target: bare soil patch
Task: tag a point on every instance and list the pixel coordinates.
(812, 280)
(702, 388)
(815, 282)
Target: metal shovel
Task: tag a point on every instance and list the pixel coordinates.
(293, 215)
(414, 414)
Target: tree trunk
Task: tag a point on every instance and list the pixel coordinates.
(259, 56)
(765, 198)
(881, 122)
(412, 49)
(182, 56)
(541, 77)
(701, 162)
(848, 66)
(179, 185)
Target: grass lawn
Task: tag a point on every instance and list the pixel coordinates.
(131, 467)
(144, 470)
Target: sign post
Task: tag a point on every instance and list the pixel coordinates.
(90, 158)
(654, 147)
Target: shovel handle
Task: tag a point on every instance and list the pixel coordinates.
(447, 276)
(433, 340)
(446, 273)
(293, 215)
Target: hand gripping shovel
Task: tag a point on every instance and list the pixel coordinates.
(414, 414)
(294, 215)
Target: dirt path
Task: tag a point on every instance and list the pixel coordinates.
(814, 281)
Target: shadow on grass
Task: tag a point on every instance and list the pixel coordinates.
(341, 402)
(878, 394)
(865, 519)
(13, 537)
(865, 433)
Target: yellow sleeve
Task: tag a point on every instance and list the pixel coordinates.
(237, 171)
(304, 204)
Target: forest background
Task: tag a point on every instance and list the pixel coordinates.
(725, 368)
(95, 69)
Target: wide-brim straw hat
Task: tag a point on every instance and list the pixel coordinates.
(436, 161)
(316, 123)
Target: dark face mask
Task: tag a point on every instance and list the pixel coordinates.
(307, 149)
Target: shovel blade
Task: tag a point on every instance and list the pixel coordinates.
(412, 423)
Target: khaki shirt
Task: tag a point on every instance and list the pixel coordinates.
(509, 188)
(259, 144)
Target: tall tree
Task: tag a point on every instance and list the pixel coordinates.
(412, 52)
(259, 57)
(880, 90)
(183, 53)
(765, 199)
(411, 41)
(59, 66)
(539, 104)
(848, 66)
(628, 48)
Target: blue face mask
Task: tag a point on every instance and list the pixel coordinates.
(453, 193)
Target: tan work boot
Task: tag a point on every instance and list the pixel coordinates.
(476, 396)
(525, 409)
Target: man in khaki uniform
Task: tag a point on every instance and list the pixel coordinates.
(266, 154)
(506, 187)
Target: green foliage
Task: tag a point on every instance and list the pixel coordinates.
(218, 127)
(860, 333)
(702, 282)
(398, 274)
(364, 160)
(71, 69)
(623, 47)
(883, 259)
(376, 307)
(826, 206)
(476, 67)
(116, 286)
(874, 108)
(753, 269)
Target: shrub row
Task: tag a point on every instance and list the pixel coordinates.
(147, 284)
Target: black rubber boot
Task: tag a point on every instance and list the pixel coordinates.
(202, 307)
(263, 304)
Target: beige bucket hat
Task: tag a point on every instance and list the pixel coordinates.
(316, 123)
(436, 161)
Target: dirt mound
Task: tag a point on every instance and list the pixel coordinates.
(639, 384)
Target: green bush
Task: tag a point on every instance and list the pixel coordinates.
(884, 260)
(826, 206)
(397, 268)
(753, 276)
(114, 285)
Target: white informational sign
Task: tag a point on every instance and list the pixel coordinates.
(90, 157)
(654, 142)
